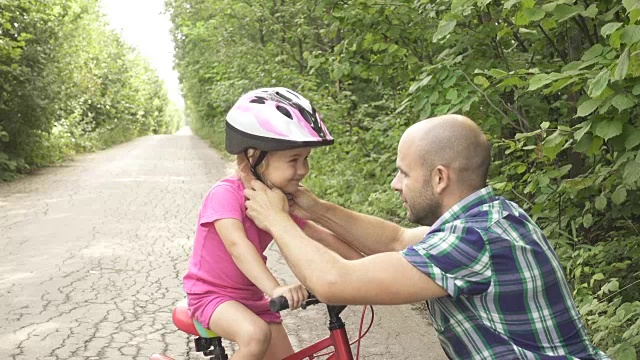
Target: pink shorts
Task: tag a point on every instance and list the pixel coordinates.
(202, 306)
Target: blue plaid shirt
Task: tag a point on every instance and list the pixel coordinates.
(509, 298)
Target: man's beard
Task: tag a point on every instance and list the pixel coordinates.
(429, 209)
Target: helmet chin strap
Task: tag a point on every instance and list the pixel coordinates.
(254, 166)
(254, 170)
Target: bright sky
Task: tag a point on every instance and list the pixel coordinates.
(143, 24)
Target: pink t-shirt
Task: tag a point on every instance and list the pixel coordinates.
(211, 267)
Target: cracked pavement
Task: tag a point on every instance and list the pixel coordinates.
(93, 252)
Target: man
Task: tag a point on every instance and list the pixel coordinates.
(494, 286)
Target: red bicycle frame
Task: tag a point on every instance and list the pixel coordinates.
(337, 339)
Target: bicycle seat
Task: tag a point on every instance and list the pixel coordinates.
(182, 319)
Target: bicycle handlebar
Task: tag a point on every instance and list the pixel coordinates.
(280, 303)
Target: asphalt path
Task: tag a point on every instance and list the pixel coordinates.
(93, 252)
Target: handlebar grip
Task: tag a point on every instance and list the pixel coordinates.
(278, 304)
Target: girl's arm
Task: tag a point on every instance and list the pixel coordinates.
(245, 254)
(247, 258)
(331, 241)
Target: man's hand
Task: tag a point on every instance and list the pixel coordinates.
(265, 205)
(304, 203)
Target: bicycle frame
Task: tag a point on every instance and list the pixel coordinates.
(337, 339)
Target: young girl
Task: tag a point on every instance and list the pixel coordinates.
(271, 131)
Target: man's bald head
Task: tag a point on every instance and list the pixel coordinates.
(455, 142)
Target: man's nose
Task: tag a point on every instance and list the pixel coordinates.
(395, 183)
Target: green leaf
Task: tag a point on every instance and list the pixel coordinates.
(594, 51)
(591, 144)
(556, 138)
(578, 183)
(564, 12)
(418, 84)
(591, 11)
(512, 81)
(636, 90)
(560, 84)
(535, 14)
(622, 102)
(609, 28)
(527, 4)
(509, 3)
(611, 13)
(630, 34)
(444, 28)
(585, 126)
(524, 30)
(539, 80)
(601, 202)
(613, 285)
(619, 196)
(598, 276)
(481, 80)
(608, 129)
(587, 220)
(626, 352)
(553, 144)
(497, 73)
(548, 24)
(458, 6)
(521, 18)
(631, 172)
(622, 66)
(632, 140)
(588, 107)
(615, 39)
(599, 83)
(631, 5)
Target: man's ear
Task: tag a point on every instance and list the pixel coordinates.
(440, 179)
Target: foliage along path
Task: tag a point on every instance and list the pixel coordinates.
(93, 253)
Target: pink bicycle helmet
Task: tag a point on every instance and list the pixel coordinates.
(271, 119)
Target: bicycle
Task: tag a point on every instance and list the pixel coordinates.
(210, 344)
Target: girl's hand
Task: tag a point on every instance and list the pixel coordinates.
(295, 294)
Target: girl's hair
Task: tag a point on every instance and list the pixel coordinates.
(243, 168)
(242, 163)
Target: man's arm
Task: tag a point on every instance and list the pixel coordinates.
(331, 241)
(368, 234)
(385, 278)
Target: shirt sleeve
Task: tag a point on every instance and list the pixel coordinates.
(223, 202)
(299, 221)
(456, 260)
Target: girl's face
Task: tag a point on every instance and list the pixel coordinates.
(285, 169)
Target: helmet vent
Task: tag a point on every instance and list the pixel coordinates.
(284, 111)
(258, 100)
(283, 96)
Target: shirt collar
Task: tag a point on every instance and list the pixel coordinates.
(464, 206)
